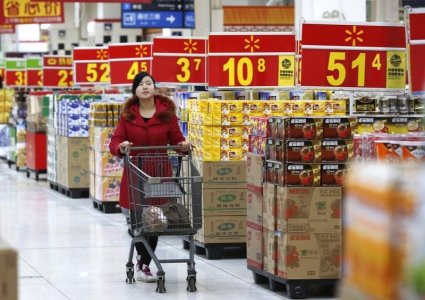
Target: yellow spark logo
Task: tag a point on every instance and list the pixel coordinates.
(51, 61)
(102, 54)
(190, 46)
(353, 36)
(141, 51)
(252, 43)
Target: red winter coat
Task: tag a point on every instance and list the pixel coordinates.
(161, 130)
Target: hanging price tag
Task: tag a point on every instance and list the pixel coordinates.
(357, 56)
(34, 71)
(57, 71)
(91, 65)
(251, 60)
(15, 72)
(126, 60)
(179, 60)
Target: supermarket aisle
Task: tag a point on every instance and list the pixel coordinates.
(68, 250)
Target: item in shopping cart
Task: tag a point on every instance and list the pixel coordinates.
(177, 215)
(154, 219)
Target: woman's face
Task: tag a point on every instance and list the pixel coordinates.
(146, 88)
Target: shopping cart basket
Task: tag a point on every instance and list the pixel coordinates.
(164, 199)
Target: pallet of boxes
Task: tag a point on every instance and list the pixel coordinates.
(294, 218)
(72, 144)
(218, 158)
(105, 168)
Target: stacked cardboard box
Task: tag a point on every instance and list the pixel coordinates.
(223, 202)
(105, 168)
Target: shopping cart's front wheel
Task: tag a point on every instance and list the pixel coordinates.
(160, 285)
(191, 284)
(130, 273)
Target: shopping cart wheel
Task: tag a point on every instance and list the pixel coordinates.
(130, 273)
(191, 284)
(160, 285)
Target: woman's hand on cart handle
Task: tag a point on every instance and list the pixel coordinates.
(124, 146)
(186, 146)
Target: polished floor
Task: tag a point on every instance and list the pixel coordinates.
(69, 250)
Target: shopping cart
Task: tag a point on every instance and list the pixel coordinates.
(164, 199)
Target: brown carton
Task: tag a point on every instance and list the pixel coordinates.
(337, 150)
(8, 272)
(333, 174)
(107, 188)
(254, 211)
(254, 248)
(102, 138)
(254, 170)
(309, 255)
(309, 209)
(302, 128)
(270, 251)
(302, 174)
(303, 152)
(219, 174)
(339, 128)
(223, 229)
(217, 202)
(269, 206)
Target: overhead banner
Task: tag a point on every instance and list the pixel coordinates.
(15, 72)
(128, 59)
(179, 60)
(415, 27)
(353, 55)
(57, 71)
(34, 66)
(7, 28)
(91, 65)
(29, 11)
(251, 60)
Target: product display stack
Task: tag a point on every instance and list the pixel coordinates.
(105, 168)
(72, 143)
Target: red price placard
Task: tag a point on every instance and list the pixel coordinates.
(91, 65)
(15, 78)
(251, 60)
(34, 78)
(57, 71)
(126, 60)
(356, 56)
(416, 27)
(179, 60)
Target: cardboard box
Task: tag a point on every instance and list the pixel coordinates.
(269, 206)
(107, 164)
(216, 174)
(254, 211)
(254, 248)
(222, 229)
(255, 170)
(309, 255)
(339, 128)
(217, 202)
(107, 188)
(8, 272)
(270, 251)
(309, 209)
(102, 138)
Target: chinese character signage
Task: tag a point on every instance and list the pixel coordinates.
(7, 28)
(27, 11)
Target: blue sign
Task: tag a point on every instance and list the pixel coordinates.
(146, 16)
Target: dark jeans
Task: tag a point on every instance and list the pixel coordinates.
(145, 258)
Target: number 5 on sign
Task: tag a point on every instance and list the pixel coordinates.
(97, 72)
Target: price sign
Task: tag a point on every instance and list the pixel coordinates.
(91, 65)
(15, 72)
(179, 60)
(251, 60)
(416, 27)
(57, 71)
(7, 28)
(128, 59)
(34, 71)
(357, 56)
